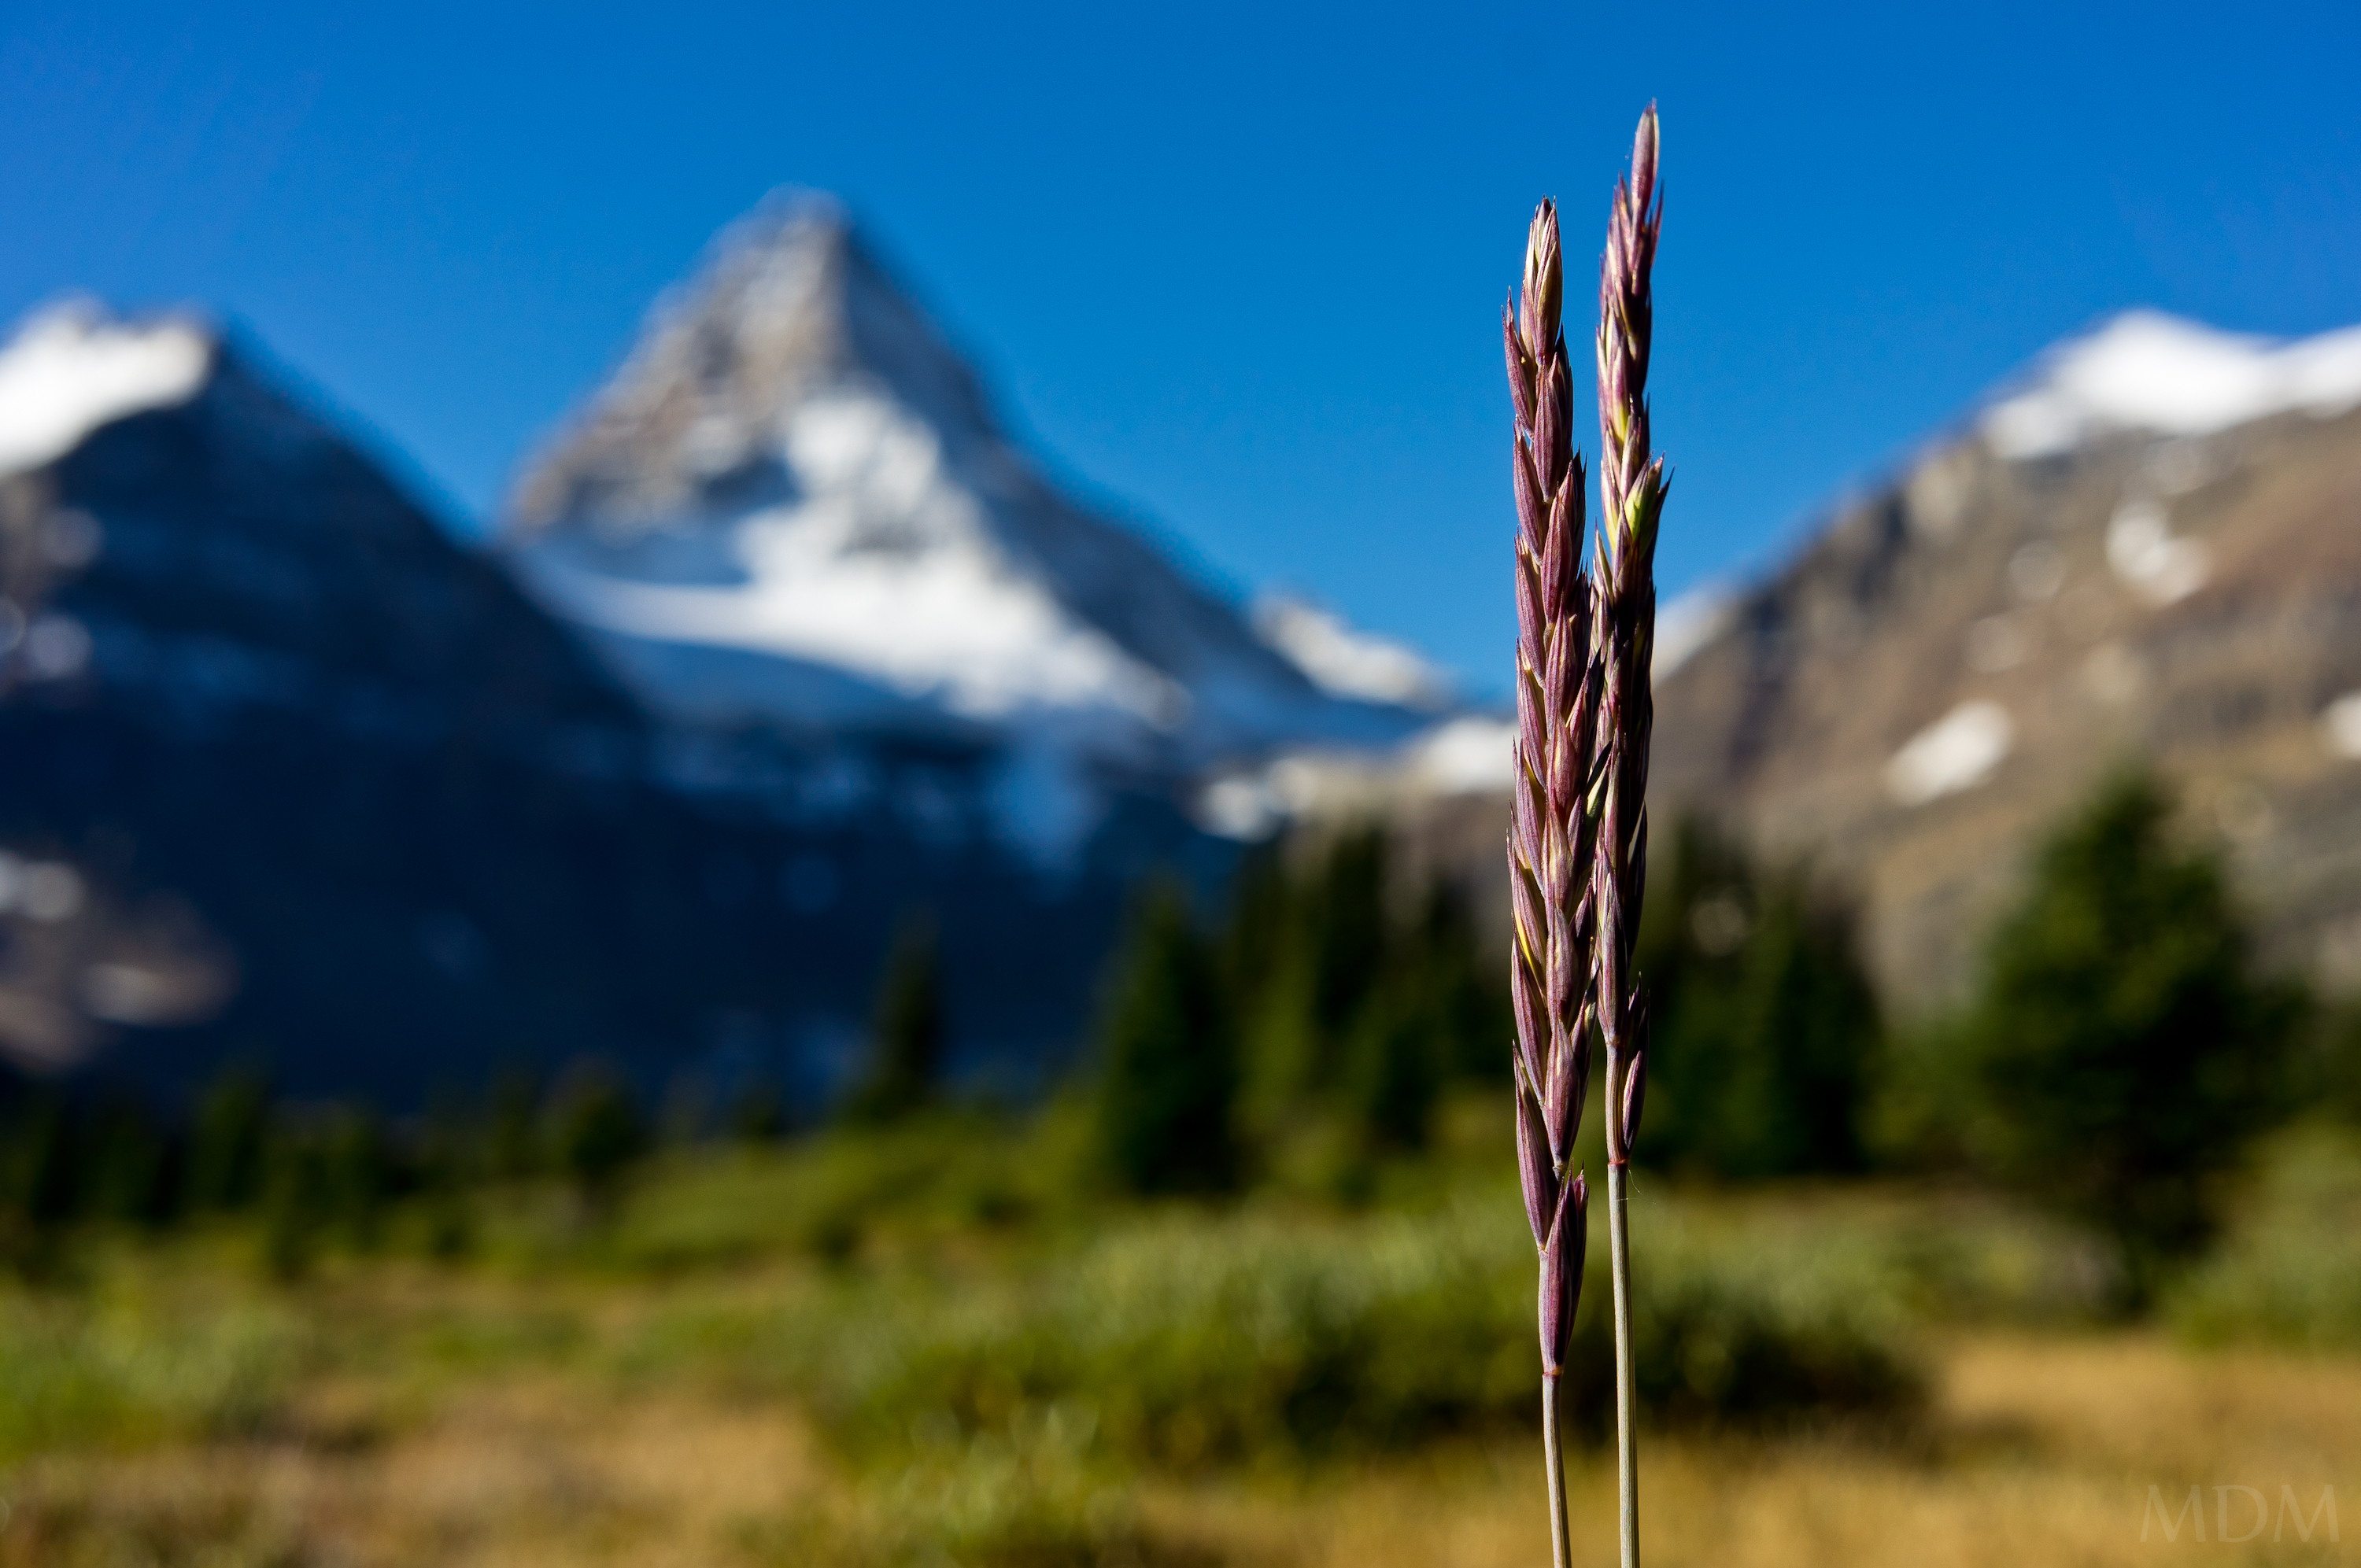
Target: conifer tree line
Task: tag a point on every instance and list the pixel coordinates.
(1319, 989)
(1323, 987)
(2122, 1046)
(314, 1176)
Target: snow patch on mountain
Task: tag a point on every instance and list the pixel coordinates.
(944, 617)
(1346, 661)
(2340, 726)
(73, 367)
(1470, 754)
(1955, 753)
(2144, 553)
(2146, 370)
(1688, 621)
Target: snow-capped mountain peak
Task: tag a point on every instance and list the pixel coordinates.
(2145, 370)
(73, 367)
(790, 305)
(792, 505)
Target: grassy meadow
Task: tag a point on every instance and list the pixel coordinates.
(934, 1342)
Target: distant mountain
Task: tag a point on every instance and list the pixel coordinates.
(287, 774)
(2151, 545)
(793, 507)
(2147, 546)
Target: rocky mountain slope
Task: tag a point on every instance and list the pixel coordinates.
(791, 507)
(2150, 547)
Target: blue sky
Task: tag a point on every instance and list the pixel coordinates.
(1236, 265)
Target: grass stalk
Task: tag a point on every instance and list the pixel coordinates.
(1550, 833)
(1553, 1457)
(1578, 825)
(1631, 484)
(1626, 1455)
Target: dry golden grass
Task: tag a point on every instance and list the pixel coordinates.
(519, 1476)
(2039, 1450)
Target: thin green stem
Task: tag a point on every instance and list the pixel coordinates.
(1627, 1460)
(1560, 1540)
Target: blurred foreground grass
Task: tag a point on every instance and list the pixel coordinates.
(930, 1345)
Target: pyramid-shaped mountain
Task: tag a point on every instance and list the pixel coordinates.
(791, 507)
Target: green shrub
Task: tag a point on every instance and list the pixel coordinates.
(758, 1112)
(77, 1372)
(1189, 1342)
(2290, 1270)
(1031, 1497)
(2338, 1075)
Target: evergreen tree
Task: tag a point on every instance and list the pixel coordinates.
(1257, 926)
(1305, 951)
(512, 1147)
(135, 1165)
(1764, 1029)
(1460, 988)
(596, 1135)
(1348, 941)
(2339, 1079)
(1397, 1068)
(758, 1112)
(450, 1155)
(229, 1145)
(359, 1171)
(41, 1183)
(1168, 1074)
(295, 1207)
(906, 1041)
(2126, 1046)
(1339, 1002)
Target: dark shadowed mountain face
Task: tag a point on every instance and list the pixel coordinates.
(290, 776)
(2152, 550)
